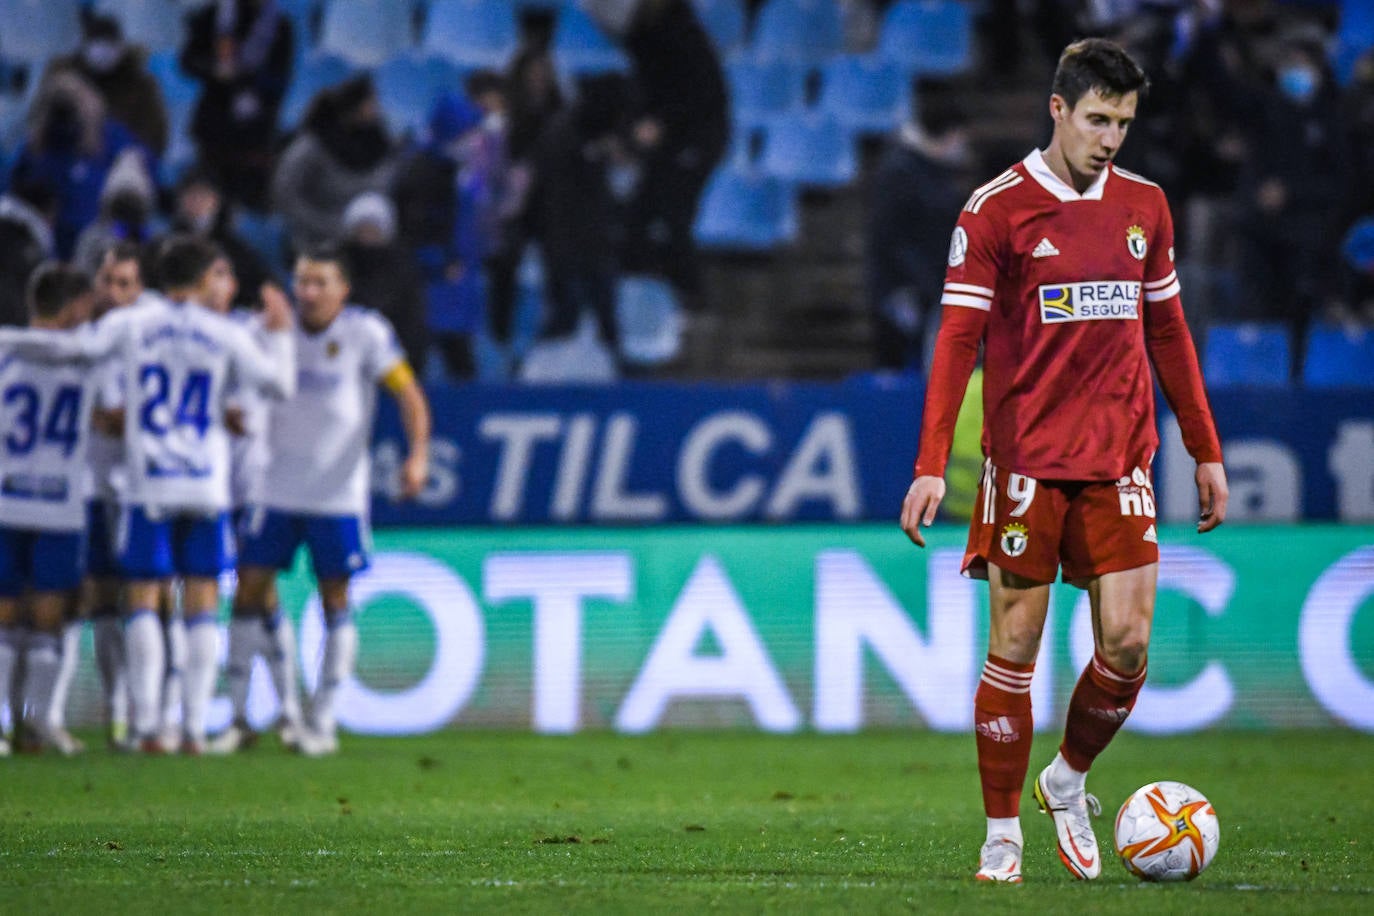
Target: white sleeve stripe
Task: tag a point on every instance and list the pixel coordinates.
(969, 288)
(975, 302)
(1165, 281)
(980, 197)
(1159, 295)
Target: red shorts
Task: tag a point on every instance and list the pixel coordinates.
(1033, 527)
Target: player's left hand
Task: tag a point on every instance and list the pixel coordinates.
(1212, 494)
(108, 422)
(276, 308)
(414, 473)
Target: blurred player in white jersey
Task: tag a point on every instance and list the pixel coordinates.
(180, 361)
(251, 633)
(316, 490)
(45, 417)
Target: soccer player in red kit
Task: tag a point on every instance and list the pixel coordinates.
(1062, 268)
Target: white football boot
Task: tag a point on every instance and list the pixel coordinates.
(1000, 860)
(1073, 826)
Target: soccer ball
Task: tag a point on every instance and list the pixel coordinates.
(1167, 831)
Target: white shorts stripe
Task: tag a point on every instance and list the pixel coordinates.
(973, 302)
(988, 481)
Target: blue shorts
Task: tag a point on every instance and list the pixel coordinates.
(179, 543)
(46, 561)
(102, 521)
(337, 543)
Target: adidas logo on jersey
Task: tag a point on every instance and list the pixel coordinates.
(999, 729)
(1151, 536)
(1045, 249)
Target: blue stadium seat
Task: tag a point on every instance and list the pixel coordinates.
(408, 85)
(266, 234)
(304, 16)
(809, 30)
(811, 149)
(746, 211)
(180, 93)
(1247, 354)
(366, 33)
(579, 46)
(1338, 357)
(725, 21)
(471, 33)
(650, 319)
(1354, 36)
(928, 36)
(34, 30)
(154, 24)
(865, 94)
(313, 73)
(761, 89)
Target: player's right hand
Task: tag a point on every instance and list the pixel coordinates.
(276, 308)
(922, 501)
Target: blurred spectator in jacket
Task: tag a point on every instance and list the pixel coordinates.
(128, 210)
(440, 196)
(573, 212)
(383, 273)
(241, 51)
(200, 209)
(28, 212)
(342, 150)
(1293, 188)
(71, 145)
(914, 199)
(681, 133)
(1358, 117)
(1357, 274)
(119, 72)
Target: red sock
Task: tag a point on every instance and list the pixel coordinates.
(1002, 727)
(1101, 702)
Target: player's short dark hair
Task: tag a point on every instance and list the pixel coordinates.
(330, 253)
(183, 259)
(52, 285)
(1096, 63)
(125, 250)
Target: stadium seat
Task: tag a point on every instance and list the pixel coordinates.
(1247, 354)
(762, 89)
(266, 234)
(471, 33)
(155, 24)
(579, 46)
(807, 30)
(811, 149)
(746, 210)
(1354, 37)
(312, 74)
(366, 32)
(865, 94)
(1339, 357)
(304, 16)
(725, 21)
(650, 319)
(49, 27)
(406, 87)
(928, 36)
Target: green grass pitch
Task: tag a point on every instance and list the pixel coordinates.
(677, 822)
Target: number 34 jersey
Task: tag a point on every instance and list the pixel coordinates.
(45, 427)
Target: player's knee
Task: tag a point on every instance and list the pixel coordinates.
(1126, 651)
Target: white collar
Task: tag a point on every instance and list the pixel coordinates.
(1039, 170)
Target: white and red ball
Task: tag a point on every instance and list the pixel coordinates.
(1167, 831)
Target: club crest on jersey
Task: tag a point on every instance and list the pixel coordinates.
(1135, 242)
(331, 349)
(1014, 539)
(1093, 300)
(958, 246)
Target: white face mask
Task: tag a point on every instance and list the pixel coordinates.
(102, 55)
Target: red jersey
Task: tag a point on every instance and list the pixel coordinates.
(1072, 296)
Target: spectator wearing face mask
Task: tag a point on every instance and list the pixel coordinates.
(71, 145)
(1292, 189)
(128, 209)
(119, 72)
(241, 51)
(343, 150)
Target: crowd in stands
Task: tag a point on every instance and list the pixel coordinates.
(498, 169)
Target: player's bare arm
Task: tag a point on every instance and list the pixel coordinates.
(276, 308)
(922, 501)
(415, 420)
(1212, 495)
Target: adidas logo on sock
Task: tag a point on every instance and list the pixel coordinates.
(1151, 536)
(999, 729)
(1044, 250)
